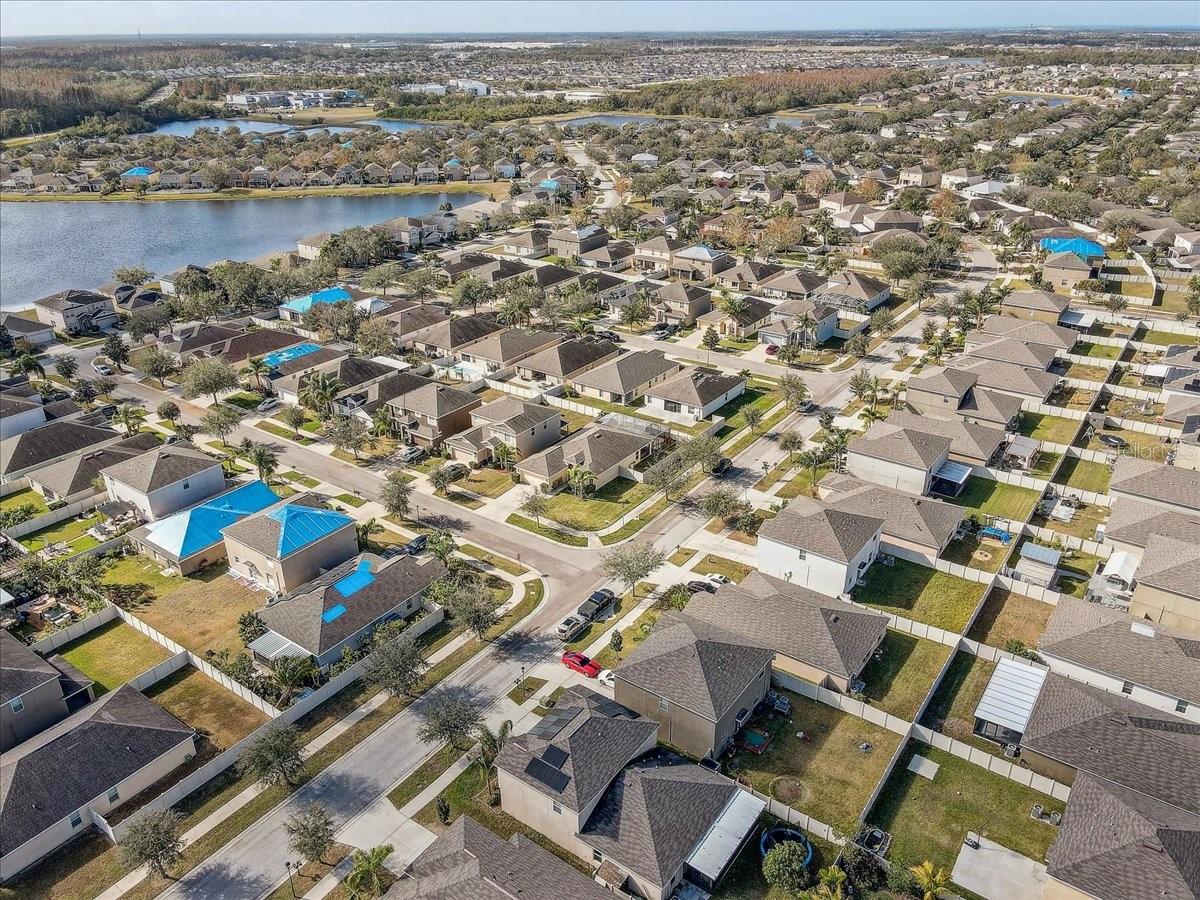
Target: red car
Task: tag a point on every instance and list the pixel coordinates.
(580, 664)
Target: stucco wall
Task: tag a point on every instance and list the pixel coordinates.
(825, 576)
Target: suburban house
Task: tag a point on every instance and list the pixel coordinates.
(1147, 481)
(625, 378)
(22, 408)
(48, 797)
(407, 319)
(815, 638)
(1133, 523)
(877, 221)
(902, 458)
(73, 478)
(1110, 649)
(502, 350)
(792, 284)
(915, 528)
(428, 414)
(1040, 306)
(681, 304)
(750, 315)
(343, 606)
(1168, 591)
(353, 376)
(75, 311)
(854, 291)
(576, 241)
(971, 443)
(531, 244)
(656, 253)
(700, 682)
(469, 860)
(296, 308)
(196, 341)
(816, 547)
(699, 263)
(695, 393)
(164, 480)
(1064, 271)
(919, 175)
(750, 276)
(35, 692)
(799, 323)
(450, 336)
(191, 539)
(561, 362)
(602, 450)
(944, 393)
(1006, 350)
(35, 332)
(1030, 331)
(30, 450)
(525, 426)
(287, 544)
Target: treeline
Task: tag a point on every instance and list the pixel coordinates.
(117, 55)
(756, 95)
(472, 110)
(44, 99)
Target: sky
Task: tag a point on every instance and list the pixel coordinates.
(24, 18)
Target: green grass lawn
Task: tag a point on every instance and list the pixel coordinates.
(1096, 351)
(113, 654)
(632, 635)
(72, 531)
(952, 709)
(526, 689)
(599, 509)
(976, 552)
(681, 556)
(1044, 464)
(1165, 338)
(491, 559)
(719, 565)
(1147, 446)
(823, 774)
(21, 498)
(1045, 427)
(929, 820)
(195, 699)
(554, 534)
(920, 593)
(985, 497)
(757, 396)
(243, 400)
(350, 500)
(1084, 475)
(575, 420)
(423, 776)
(802, 483)
(1083, 525)
(1008, 616)
(899, 679)
(300, 479)
(487, 482)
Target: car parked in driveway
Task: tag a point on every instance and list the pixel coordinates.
(101, 368)
(717, 578)
(577, 662)
(416, 545)
(724, 464)
(411, 454)
(607, 678)
(267, 405)
(697, 586)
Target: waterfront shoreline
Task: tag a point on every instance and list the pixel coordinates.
(493, 189)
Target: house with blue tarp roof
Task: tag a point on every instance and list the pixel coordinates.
(288, 544)
(136, 175)
(300, 305)
(344, 605)
(1081, 247)
(191, 539)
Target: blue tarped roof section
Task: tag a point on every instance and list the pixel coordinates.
(355, 581)
(192, 530)
(277, 358)
(1081, 247)
(301, 525)
(329, 295)
(549, 184)
(334, 612)
(138, 171)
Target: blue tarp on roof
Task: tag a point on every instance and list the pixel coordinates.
(192, 530)
(329, 295)
(549, 184)
(277, 358)
(301, 525)
(355, 581)
(1081, 247)
(137, 172)
(334, 612)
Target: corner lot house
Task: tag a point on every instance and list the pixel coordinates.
(343, 607)
(287, 545)
(35, 692)
(164, 480)
(695, 393)
(604, 451)
(811, 545)
(1041, 306)
(49, 796)
(526, 427)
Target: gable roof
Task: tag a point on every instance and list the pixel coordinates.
(513, 344)
(21, 670)
(1038, 301)
(1134, 522)
(456, 331)
(161, 466)
(51, 441)
(1032, 332)
(1156, 481)
(1171, 565)
(812, 526)
(696, 386)
(970, 439)
(42, 780)
(695, 664)
(944, 381)
(908, 447)
(628, 371)
(597, 448)
(924, 521)
(1037, 356)
(563, 360)
(435, 400)
(76, 473)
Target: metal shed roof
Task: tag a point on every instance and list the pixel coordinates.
(954, 472)
(1038, 553)
(1010, 696)
(726, 835)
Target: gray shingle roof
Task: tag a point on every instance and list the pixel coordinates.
(507, 346)
(809, 525)
(1039, 301)
(470, 862)
(943, 381)
(695, 386)
(1031, 332)
(1103, 640)
(695, 664)
(1133, 522)
(1146, 750)
(46, 778)
(21, 669)
(49, 442)
(967, 439)
(655, 813)
(1037, 356)
(598, 737)
(596, 448)
(990, 406)
(76, 473)
(568, 357)
(923, 521)
(795, 622)
(1115, 844)
(435, 400)
(455, 332)
(628, 371)
(1006, 377)
(1171, 565)
(160, 467)
(1155, 481)
(908, 447)
(517, 415)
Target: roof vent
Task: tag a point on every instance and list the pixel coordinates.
(1142, 628)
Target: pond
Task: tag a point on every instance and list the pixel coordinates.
(188, 127)
(54, 245)
(397, 126)
(615, 119)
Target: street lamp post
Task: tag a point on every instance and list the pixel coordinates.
(291, 885)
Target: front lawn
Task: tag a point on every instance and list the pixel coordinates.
(803, 483)
(554, 534)
(487, 482)
(719, 565)
(300, 479)
(814, 762)
(200, 611)
(599, 509)
(1084, 475)
(920, 593)
(758, 396)
(929, 820)
(624, 603)
(243, 400)
(113, 654)
(1008, 616)
(681, 556)
(986, 497)
(901, 674)
(491, 559)
(1045, 427)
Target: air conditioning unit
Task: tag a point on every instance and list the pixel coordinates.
(887, 559)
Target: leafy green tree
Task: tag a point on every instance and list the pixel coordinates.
(719, 503)
(130, 416)
(396, 663)
(637, 311)
(135, 275)
(116, 350)
(250, 627)
(475, 607)
(27, 364)
(441, 544)
(396, 494)
(711, 340)
(443, 476)
(221, 420)
(153, 840)
(207, 376)
(274, 756)
(535, 504)
(290, 673)
(931, 882)
(258, 369)
(156, 364)
(66, 365)
(310, 832)
(448, 718)
(472, 292)
(168, 411)
(784, 868)
(265, 460)
(318, 392)
(293, 417)
(632, 563)
(349, 433)
(375, 338)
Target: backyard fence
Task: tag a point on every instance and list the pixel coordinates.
(781, 810)
(1016, 479)
(74, 631)
(15, 486)
(54, 516)
(995, 764)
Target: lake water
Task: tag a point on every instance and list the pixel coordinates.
(51, 246)
(609, 119)
(191, 126)
(397, 125)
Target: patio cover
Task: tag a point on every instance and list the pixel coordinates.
(1156, 370)
(271, 646)
(1121, 565)
(1010, 696)
(1078, 318)
(953, 472)
(726, 835)
(1022, 447)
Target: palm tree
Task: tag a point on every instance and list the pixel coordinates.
(581, 327)
(490, 745)
(130, 416)
(505, 455)
(26, 363)
(811, 460)
(319, 391)
(931, 882)
(441, 478)
(835, 446)
(734, 307)
(365, 878)
(257, 366)
(860, 386)
(808, 330)
(381, 422)
(265, 460)
(830, 881)
(364, 530)
(290, 673)
(822, 224)
(579, 478)
(515, 309)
